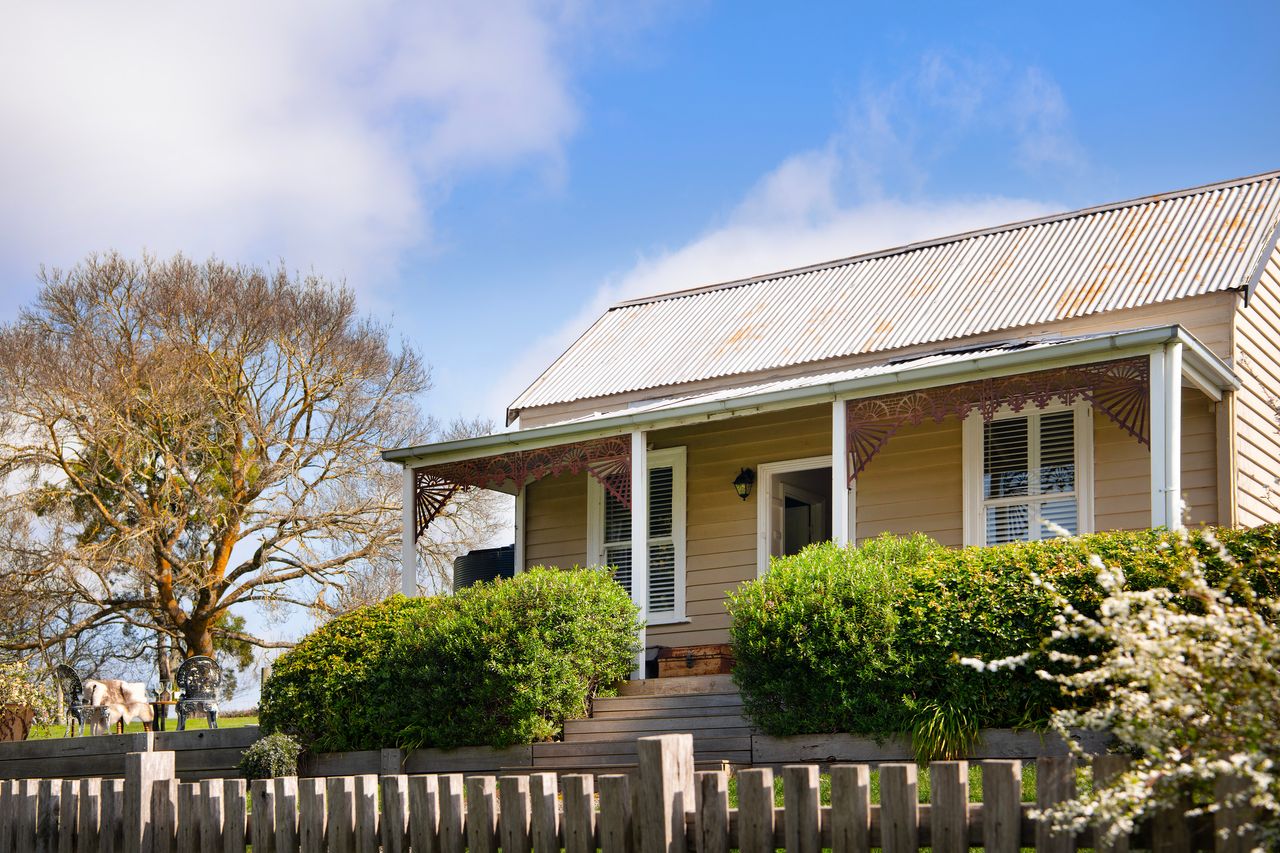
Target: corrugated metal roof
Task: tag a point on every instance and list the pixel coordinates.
(1123, 255)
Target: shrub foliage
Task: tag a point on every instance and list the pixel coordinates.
(495, 664)
(868, 639)
(271, 756)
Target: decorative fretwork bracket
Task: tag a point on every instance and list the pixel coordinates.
(1118, 389)
(606, 459)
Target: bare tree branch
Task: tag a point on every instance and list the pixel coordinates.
(191, 437)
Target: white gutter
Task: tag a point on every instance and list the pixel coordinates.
(1207, 366)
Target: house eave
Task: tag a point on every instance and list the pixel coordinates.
(1204, 369)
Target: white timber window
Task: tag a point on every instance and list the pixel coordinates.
(1028, 474)
(609, 540)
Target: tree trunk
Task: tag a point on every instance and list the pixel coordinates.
(199, 639)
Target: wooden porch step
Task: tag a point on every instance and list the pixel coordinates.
(637, 704)
(676, 686)
(583, 737)
(668, 723)
(658, 712)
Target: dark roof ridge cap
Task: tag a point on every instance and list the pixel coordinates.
(950, 238)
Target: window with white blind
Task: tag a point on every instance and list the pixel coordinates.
(609, 534)
(1028, 474)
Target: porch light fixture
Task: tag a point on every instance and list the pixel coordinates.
(743, 482)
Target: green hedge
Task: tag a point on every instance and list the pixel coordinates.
(866, 640)
(495, 664)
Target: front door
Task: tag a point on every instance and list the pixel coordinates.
(796, 506)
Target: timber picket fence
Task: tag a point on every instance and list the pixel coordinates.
(215, 754)
(663, 807)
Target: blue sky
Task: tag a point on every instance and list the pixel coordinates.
(489, 177)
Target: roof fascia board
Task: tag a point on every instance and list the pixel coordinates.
(1120, 345)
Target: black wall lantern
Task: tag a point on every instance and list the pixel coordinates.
(743, 482)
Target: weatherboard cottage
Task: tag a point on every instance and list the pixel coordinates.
(1109, 368)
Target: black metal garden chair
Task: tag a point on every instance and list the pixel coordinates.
(74, 708)
(198, 679)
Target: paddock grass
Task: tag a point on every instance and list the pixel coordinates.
(171, 725)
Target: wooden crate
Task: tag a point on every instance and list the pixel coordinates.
(714, 659)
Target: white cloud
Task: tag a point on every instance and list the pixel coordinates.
(1043, 120)
(749, 245)
(316, 131)
(863, 189)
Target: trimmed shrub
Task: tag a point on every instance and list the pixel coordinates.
(867, 640)
(271, 756)
(812, 634)
(495, 664)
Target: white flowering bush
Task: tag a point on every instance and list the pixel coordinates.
(1188, 683)
(22, 687)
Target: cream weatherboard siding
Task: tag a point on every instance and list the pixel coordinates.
(1257, 363)
(914, 484)
(1208, 317)
(556, 522)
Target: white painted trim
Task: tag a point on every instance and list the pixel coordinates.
(677, 458)
(974, 530)
(971, 454)
(595, 522)
(1102, 347)
(1173, 443)
(408, 531)
(765, 472)
(1157, 388)
(521, 499)
(640, 534)
(843, 522)
(1084, 467)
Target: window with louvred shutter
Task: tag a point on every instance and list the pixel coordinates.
(1031, 469)
(610, 542)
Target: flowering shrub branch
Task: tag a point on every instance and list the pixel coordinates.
(1186, 681)
(20, 686)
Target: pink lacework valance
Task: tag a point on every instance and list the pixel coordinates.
(1118, 389)
(606, 459)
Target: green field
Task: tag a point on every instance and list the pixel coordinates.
(199, 722)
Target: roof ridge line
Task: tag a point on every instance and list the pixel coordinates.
(950, 238)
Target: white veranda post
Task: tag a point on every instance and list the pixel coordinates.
(842, 531)
(408, 537)
(1166, 436)
(640, 536)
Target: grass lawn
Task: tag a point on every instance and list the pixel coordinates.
(198, 722)
(975, 786)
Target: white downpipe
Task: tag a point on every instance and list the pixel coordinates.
(408, 539)
(640, 537)
(1173, 439)
(841, 516)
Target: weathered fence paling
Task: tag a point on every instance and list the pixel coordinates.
(664, 808)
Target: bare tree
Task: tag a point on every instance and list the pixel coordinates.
(198, 437)
(473, 518)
